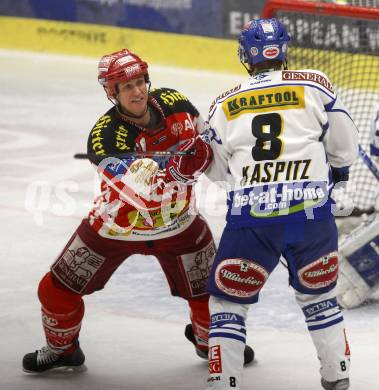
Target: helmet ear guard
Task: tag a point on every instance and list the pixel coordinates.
(120, 67)
(263, 40)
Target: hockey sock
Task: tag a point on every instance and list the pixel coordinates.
(200, 321)
(62, 313)
(227, 339)
(327, 329)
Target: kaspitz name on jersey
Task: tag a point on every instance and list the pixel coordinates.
(275, 171)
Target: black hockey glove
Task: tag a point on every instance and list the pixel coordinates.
(340, 174)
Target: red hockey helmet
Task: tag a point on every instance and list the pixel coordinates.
(120, 67)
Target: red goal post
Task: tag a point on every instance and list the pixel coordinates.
(313, 7)
(343, 42)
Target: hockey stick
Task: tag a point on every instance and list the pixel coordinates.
(368, 162)
(160, 153)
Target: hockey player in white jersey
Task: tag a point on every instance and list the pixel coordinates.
(359, 250)
(281, 140)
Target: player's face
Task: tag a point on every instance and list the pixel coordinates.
(133, 95)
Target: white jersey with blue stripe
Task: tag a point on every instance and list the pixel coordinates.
(274, 139)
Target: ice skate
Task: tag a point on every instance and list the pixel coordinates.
(248, 353)
(341, 384)
(45, 359)
(188, 332)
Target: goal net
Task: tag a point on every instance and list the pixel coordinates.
(343, 42)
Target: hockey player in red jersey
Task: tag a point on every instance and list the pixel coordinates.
(144, 208)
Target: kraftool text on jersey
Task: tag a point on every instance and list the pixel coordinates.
(263, 100)
(275, 171)
(284, 97)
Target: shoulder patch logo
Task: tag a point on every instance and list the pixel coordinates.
(308, 76)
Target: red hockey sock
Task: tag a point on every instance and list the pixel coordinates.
(200, 320)
(62, 313)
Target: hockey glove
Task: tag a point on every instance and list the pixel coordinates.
(340, 174)
(142, 177)
(187, 169)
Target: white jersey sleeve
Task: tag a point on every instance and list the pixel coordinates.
(274, 139)
(218, 170)
(341, 142)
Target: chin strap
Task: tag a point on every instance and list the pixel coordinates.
(247, 68)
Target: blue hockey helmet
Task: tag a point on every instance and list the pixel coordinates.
(263, 40)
